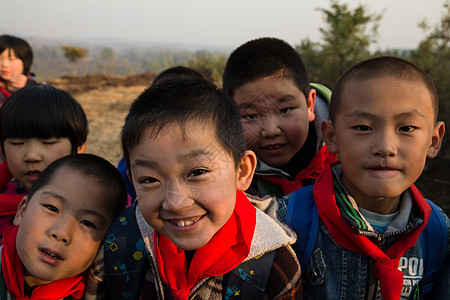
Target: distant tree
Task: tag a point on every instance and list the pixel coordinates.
(106, 63)
(346, 39)
(210, 64)
(433, 55)
(74, 54)
(107, 53)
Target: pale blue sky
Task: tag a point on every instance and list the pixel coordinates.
(225, 23)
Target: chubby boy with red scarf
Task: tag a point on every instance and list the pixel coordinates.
(281, 113)
(373, 221)
(196, 230)
(59, 228)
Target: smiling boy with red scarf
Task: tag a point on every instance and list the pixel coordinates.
(372, 219)
(193, 233)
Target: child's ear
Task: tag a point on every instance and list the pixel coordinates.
(129, 176)
(245, 170)
(436, 139)
(311, 102)
(329, 136)
(20, 211)
(82, 148)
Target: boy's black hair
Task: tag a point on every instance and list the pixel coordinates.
(177, 72)
(21, 49)
(88, 165)
(184, 100)
(42, 111)
(378, 67)
(261, 58)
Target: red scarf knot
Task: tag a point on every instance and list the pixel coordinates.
(386, 263)
(229, 246)
(320, 162)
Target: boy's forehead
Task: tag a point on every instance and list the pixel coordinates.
(375, 90)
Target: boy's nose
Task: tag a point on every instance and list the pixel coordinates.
(32, 154)
(385, 146)
(62, 230)
(270, 127)
(178, 197)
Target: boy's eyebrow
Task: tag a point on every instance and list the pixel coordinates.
(86, 211)
(359, 113)
(154, 165)
(280, 100)
(196, 153)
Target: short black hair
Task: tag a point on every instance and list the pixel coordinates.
(378, 67)
(261, 58)
(177, 72)
(184, 100)
(42, 111)
(89, 165)
(21, 49)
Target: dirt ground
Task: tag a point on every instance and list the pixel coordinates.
(106, 101)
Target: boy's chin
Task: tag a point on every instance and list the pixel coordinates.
(190, 246)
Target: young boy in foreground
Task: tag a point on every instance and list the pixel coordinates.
(59, 228)
(198, 235)
(281, 115)
(374, 223)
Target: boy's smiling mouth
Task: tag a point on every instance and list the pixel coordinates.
(51, 256)
(273, 147)
(186, 222)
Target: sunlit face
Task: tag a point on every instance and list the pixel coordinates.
(185, 185)
(10, 64)
(62, 227)
(384, 131)
(28, 157)
(275, 117)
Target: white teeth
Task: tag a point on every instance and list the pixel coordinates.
(185, 223)
(50, 254)
(274, 147)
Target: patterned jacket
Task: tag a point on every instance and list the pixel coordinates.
(270, 234)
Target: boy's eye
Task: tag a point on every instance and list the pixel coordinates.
(88, 224)
(16, 143)
(285, 110)
(363, 128)
(148, 180)
(198, 172)
(51, 208)
(49, 142)
(250, 117)
(408, 128)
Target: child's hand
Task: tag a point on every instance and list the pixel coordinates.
(16, 81)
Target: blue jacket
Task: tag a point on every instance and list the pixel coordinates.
(330, 271)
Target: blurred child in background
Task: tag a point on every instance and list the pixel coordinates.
(16, 57)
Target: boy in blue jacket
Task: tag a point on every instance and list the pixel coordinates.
(373, 221)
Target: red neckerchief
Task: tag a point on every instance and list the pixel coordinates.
(12, 270)
(386, 263)
(225, 251)
(4, 91)
(8, 202)
(316, 166)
